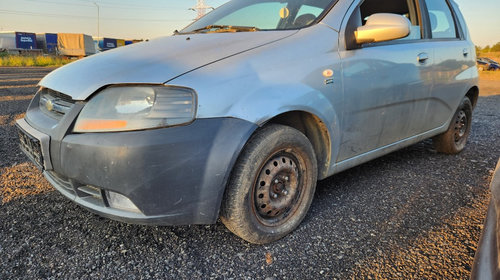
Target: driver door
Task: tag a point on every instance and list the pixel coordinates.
(387, 84)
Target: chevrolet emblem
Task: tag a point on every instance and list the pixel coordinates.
(49, 105)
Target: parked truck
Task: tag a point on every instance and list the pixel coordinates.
(120, 43)
(71, 44)
(106, 43)
(16, 42)
(47, 42)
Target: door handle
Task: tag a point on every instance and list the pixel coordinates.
(466, 52)
(422, 58)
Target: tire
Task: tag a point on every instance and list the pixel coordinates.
(454, 139)
(272, 185)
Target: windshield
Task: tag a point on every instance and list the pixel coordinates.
(255, 15)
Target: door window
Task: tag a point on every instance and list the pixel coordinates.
(441, 18)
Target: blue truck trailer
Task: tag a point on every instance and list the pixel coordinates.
(17, 41)
(25, 40)
(107, 43)
(47, 42)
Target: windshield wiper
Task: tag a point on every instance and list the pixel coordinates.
(225, 28)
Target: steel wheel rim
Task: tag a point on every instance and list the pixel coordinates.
(278, 189)
(461, 123)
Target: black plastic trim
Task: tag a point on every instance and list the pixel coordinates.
(173, 175)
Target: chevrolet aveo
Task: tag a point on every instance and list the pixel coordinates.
(239, 114)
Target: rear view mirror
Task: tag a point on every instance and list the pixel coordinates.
(382, 27)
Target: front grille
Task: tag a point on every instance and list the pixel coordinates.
(60, 96)
(55, 104)
(31, 147)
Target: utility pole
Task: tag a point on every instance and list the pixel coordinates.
(201, 8)
(98, 20)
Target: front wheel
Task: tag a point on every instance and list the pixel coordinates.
(272, 185)
(454, 139)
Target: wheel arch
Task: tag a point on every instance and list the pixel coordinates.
(315, 130)
(473, 95)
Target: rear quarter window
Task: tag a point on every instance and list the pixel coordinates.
(441, 19)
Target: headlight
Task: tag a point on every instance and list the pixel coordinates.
(125, 108)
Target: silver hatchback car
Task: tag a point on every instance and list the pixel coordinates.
(239, 114)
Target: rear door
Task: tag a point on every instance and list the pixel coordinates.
(386, 85)
(453, 62)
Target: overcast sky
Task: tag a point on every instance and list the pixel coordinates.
(137, 19)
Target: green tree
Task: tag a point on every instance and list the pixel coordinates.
(478, 51)
(495, 48)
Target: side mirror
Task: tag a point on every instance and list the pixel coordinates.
(382, 27)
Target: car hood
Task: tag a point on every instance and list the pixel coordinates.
(153, 62)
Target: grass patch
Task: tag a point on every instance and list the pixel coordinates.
(27, 61)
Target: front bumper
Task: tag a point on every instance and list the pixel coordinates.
(173, 175)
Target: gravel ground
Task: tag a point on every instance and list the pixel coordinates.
(413, 214)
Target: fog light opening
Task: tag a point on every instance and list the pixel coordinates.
(121, 202)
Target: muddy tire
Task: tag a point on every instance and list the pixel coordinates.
(454, 139)
(272, 185)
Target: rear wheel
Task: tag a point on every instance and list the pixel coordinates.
(272, 185)
(454, 139)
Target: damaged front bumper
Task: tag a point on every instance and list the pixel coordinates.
(169, 176)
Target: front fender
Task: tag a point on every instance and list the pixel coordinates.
(284, 76)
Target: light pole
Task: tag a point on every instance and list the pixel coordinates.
(98, 20)
(201, 8)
